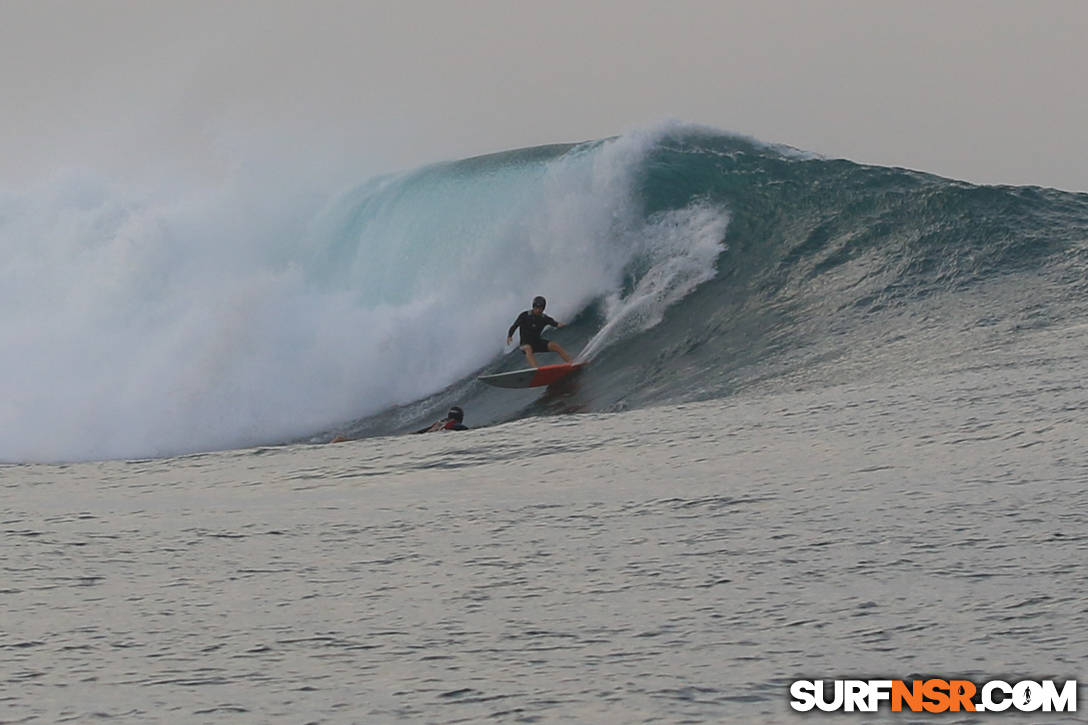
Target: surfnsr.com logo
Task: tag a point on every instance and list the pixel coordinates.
(933, 695)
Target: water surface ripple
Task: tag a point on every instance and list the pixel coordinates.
(673, 564)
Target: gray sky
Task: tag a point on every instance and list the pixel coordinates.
(988, 91)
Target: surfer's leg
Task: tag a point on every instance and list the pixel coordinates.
(528, 350)
(556, 347)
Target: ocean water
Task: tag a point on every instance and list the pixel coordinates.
(681, 563)
(832, 427)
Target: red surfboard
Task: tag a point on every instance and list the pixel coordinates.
(531, 377)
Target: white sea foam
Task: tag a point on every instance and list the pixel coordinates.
(144, 323)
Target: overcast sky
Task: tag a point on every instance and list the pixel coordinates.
(989, 91)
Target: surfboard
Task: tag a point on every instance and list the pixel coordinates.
(531, 377)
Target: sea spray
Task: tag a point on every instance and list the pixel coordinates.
(141, 323)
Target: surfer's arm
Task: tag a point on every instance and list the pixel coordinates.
(510, 332)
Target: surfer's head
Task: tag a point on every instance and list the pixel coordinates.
(539, 303)
(456, 414)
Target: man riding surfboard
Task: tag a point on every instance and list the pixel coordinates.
(530, 324)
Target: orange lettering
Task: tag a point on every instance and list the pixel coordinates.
(936, 691)
(961, 693)
(912, 696)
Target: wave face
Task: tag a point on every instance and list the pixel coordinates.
(690, 264)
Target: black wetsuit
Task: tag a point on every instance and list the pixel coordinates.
(530, 326)
(447, 424)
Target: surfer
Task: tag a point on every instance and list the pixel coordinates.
(530, 324)
(452, 421)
